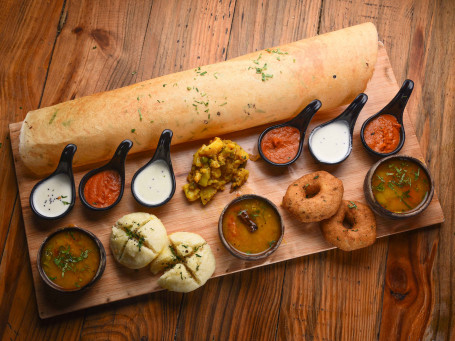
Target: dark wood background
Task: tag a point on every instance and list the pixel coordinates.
(400, 288)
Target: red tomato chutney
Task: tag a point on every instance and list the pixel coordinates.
(281, 145)
(383, 134)
(103, 188)
(239, 232)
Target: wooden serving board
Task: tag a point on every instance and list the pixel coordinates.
(179, 215)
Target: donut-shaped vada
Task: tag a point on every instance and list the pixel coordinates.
(352, 227)
(314, 197)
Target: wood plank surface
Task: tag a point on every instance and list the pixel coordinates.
(178, 215)
(418, 36)
(28, 30)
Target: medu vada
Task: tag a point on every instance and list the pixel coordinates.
(352, 227)
(314, 197)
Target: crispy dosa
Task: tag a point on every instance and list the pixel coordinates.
(254, 89)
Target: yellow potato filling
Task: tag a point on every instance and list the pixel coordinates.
(214, 165)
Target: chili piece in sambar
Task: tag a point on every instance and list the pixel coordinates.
(251, 226)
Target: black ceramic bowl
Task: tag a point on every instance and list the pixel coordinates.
(98, 274)
(300, 122)
(162, 153)
(243, 255)
(395, 108)
(65, 166)
(350, 117)
(117, 163)
(377, 208)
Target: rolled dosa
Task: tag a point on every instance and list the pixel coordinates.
(254, 89)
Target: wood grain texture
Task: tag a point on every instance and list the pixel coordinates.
(420, 269)
(339, 298)
(418, 36)
(28, 30)
(25, 49)
(299, 239)
(99, 48)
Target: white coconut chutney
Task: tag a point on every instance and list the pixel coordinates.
(53, 197)
(331, 143)
(153, 184)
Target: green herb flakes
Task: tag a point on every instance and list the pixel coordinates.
(53, 117)
(352, 204)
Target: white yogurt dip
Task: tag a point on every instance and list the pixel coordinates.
(153, 184)
(331, 143)
(53, 197)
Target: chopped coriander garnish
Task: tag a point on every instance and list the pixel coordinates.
(380, 187)
(277, 51)
(352, 204)
(53, 117)
(416, 174)
(136, 236)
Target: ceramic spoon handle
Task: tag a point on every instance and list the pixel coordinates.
(66, 159)
(302, 120)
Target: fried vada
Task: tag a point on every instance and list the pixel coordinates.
(352, 227)
(314, 197)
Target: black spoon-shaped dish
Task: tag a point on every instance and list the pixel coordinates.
(162, 154)
(395, 108)
(348, 117)
(117, 164)
(300, 122)
(64, 172)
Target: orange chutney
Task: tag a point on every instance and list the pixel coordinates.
(281, 145)
(239, 235)
(103, 188)
(70, 259)
(383, 134)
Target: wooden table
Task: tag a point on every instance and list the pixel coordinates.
(400, 288)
